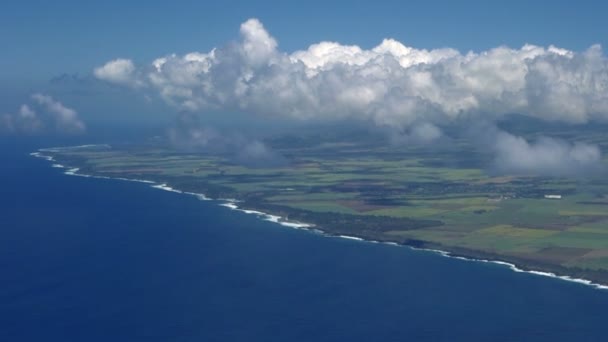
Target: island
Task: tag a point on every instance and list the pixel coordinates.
(442, 198)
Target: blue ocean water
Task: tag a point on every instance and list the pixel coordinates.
(86, 259)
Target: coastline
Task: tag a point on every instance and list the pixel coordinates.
(414, 245)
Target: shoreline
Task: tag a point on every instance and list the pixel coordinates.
(231, 204)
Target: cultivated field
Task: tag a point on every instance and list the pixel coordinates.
(441, 197)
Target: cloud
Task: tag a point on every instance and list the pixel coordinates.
(189, 134)
(391, 84)
(257, 154)
(544, 156)
(258, 47)
(120, 71)
(65, 119)
(412, 92)
(25, 121)
(419, 134)
(53, 115)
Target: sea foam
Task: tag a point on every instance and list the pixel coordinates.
(353, 238)
(231, 203)
(514, 268)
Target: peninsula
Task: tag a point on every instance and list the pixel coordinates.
(444, 199)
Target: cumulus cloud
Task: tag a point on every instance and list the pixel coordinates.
(411, 91)
(51, 114)
(390, 84)
(119, 71)
(257, 154)
(189, 134)
(65, 119)
(25, 121)
(543, 156)
(424, 133)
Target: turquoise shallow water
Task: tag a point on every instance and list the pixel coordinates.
(102, 260)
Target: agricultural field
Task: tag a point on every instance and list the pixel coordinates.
(442, 198)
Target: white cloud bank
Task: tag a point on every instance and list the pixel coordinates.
(413, 91)
(547, 156)
(390, 84)
(49, 114)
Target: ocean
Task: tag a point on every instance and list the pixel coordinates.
(84, 259)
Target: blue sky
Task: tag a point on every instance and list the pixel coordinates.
(41, 39)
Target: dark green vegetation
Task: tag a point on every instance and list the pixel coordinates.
(437, 198)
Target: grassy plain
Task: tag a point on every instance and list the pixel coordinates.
(441, 198)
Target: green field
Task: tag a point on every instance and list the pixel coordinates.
(383, 192)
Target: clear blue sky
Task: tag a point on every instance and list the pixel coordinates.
(41, 39)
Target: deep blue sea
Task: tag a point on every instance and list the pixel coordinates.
(85, 259)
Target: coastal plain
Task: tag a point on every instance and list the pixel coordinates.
(443, 198)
